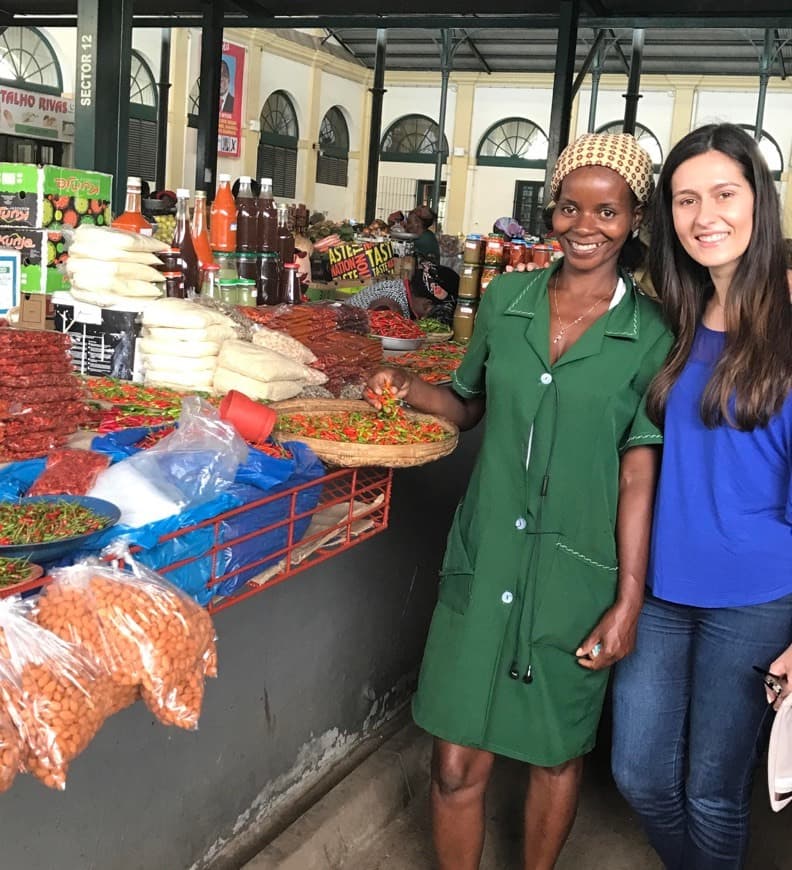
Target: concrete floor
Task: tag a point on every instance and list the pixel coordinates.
(606, 835)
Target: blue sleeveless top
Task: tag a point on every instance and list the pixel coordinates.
(722, 534)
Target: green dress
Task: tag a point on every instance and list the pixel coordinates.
(531, 565)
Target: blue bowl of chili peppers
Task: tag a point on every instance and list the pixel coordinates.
(44, 528)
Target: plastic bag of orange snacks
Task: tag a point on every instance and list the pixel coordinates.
(148, 633)
(12, 746)
(55, 695)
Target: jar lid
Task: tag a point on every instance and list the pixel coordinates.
(211, 267)
(173, 274)
(475, 236)
(245, 282)
(268, 255)
(245, 255)
(228, 282)
(291, 266)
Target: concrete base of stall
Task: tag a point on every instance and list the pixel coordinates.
(310, 671)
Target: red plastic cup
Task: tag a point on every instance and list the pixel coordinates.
(252, 420)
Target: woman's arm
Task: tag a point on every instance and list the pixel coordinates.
(617, 628)
(428, 398)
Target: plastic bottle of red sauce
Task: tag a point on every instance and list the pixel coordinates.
(131, 218)
(200, 233)
(285, 237)
(223, 215)
(182, 239)
(247, 217)
(267, 219)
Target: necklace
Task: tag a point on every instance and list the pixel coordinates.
(565, 327)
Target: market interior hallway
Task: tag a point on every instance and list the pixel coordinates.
(606, 835)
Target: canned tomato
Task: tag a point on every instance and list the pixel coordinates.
(473, 249)
(542, 254)
(469, 281)
(493, 250)
(487, 274)
(517, 253)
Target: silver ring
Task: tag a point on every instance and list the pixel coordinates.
(596, 650)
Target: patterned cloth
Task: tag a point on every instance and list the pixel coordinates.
(617, 151)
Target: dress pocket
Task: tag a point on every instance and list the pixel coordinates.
(456, 574)
(574, 593)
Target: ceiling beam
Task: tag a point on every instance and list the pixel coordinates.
(474, 49)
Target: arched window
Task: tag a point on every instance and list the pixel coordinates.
(332, 163)
(28, 60)
(513, 142)
(770, 151)
(412, 139)
(142, 143)
(277, 151)
(645, 137)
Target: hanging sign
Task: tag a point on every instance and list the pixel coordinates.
(36, 115)
(229, 127)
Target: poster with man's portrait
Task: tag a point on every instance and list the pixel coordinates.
(229, 128)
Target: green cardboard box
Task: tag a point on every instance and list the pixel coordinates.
(53, 197)
(41, 252)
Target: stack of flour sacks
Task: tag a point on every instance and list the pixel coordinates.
(113, 267)
(187, 346)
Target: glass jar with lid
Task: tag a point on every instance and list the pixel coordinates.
(464, 318)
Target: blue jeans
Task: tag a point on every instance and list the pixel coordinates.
(688, 713)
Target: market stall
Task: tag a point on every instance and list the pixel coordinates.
(210, 448)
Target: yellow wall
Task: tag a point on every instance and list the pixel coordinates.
(268, 51)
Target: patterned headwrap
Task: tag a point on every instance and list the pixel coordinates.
(617, 151)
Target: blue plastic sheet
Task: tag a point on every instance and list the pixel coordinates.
(307, 467)
(17, 477)
(260, 476)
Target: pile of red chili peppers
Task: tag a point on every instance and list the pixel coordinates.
(36, 522)
(392, 425)
(390, 324)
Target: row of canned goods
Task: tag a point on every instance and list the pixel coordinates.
(498, 251)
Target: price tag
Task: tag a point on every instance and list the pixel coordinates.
(84, 312)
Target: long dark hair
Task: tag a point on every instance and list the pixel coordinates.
(754, 374)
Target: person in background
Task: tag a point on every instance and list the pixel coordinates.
(425, 246)
(688, 706)
(543, 576)
(430, 292)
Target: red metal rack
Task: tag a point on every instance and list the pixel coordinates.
(360, 498)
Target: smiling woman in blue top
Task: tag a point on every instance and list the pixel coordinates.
(689, 707)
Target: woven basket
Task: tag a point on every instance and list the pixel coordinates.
(354, 455)
(437, 337)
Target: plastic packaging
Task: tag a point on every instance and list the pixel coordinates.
(182, 239)
(200, 231)
(148, 633)
(132, 219)
(267, 219)
(247, 217)
(12, 747)
(192, 465)
(222, 225)
(55, 694)
(69, 472)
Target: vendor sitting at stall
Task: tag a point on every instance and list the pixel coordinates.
(430, 292)
(417, 222)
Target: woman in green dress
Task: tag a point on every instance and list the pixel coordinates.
(543, 577)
